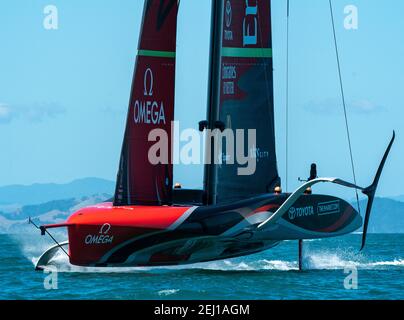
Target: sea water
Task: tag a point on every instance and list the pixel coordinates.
(334, 269)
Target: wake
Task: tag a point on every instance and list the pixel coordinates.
(326, 260)
(314, 260)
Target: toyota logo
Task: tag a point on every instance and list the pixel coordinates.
(292, 213)
(229, 14)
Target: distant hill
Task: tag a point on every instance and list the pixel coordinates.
(50, 212)
(387, 216)
(398, 198)
(50, 203)
(42, 193)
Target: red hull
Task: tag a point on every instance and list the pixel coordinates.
(96, 230)
(105, 235)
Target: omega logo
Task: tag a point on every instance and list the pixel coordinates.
(148, 82)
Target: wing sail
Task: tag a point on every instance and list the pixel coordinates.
(244, 96)
(151, 107)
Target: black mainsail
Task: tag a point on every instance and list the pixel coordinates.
(241, 97)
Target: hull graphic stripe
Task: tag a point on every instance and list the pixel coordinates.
(181, 219)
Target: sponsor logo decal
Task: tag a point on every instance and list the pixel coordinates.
(250, 24)
(148, 110)
(259, 154)
(229, 72)
(229, 75)
(103, 236)
(148, 83)
(229, 14)
(327, 208)
(228, 33)
(295, 213)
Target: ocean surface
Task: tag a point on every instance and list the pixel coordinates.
(269, 275)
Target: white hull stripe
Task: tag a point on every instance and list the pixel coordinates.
(181, 219)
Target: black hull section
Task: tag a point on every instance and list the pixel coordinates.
(227, 231)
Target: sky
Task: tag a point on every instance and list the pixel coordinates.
(64, 93)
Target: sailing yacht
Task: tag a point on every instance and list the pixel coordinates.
(152, 223)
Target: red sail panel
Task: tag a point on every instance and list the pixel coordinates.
(151, 107)
(246, 96)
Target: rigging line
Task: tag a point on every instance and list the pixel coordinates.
(47, 232)
(54, 240)
(287, 99)
(344, 102)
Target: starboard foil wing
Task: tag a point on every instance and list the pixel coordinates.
(370, 192)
